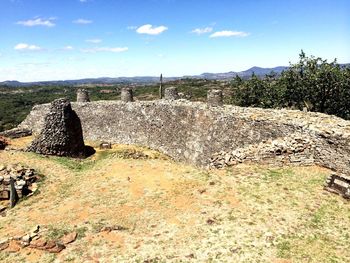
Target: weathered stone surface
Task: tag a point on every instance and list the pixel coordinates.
(338, 183)
(171, 93)
(4, 245)
(16, 133)
(83, 95)
(105, 145)
(39, 244)
(57, 248)
(23, 181)
(126, 95)
(214, 97)
(13, 193)
(62, 133)
(69, 238)
(202, 135)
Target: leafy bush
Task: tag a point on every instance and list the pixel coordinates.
(313, 83)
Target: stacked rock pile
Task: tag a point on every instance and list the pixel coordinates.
(295, 149)
(23, 178)
(35, 240)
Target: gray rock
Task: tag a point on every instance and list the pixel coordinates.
(126, 95)
(16, 133)
(83, 95)
(171, 93)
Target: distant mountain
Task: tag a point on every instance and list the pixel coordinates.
(244, 74)
(260, 72)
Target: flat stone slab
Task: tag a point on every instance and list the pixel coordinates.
(339, 184)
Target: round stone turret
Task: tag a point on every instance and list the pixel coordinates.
(171, 93)
(83, 95)
(214, 97)
(127, 95)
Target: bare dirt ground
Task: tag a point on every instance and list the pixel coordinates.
(132, 204)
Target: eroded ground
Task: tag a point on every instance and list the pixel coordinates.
(151, 209)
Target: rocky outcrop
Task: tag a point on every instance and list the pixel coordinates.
(62, 133)
(199, 134)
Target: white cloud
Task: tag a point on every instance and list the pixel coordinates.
(94, 41)
(37, 22)
(150, 30)
(227, 33)
(27, 47)
(82, 21)
(67, 48)
(200, 31)
(105, 49)
(82, 1)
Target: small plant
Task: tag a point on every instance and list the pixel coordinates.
(284, 249)
(57, 232)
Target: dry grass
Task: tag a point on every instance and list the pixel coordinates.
(170, 212)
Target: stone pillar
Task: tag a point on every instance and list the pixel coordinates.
(13, 193)
(171, 93)
(83, 95)
(214, 97)
(126, 95)
(161, 86)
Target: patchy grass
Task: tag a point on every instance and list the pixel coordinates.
(55, 232)
(160, 211)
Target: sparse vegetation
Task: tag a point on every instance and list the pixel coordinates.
(129, 210)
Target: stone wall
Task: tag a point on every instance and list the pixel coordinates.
(196, 133)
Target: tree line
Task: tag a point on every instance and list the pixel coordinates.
(312, 83)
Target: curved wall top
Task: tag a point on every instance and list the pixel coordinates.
(196, 133)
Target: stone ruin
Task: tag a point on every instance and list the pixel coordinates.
(16, 182)
(171, 93)
(126, 95)
(214, 97)
(62, 133)
(16, 133)
(339, 184)
(215, 135)
(83, 95)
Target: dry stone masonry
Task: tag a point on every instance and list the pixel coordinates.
(171, 93)
(62, 132)
(23, 178)
(214, 97)
(16, 133)
(126, 95)
(83, 95)
(199, 134)
(339, 184)
(295, 149)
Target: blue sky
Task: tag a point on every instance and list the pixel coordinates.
(70, 39)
